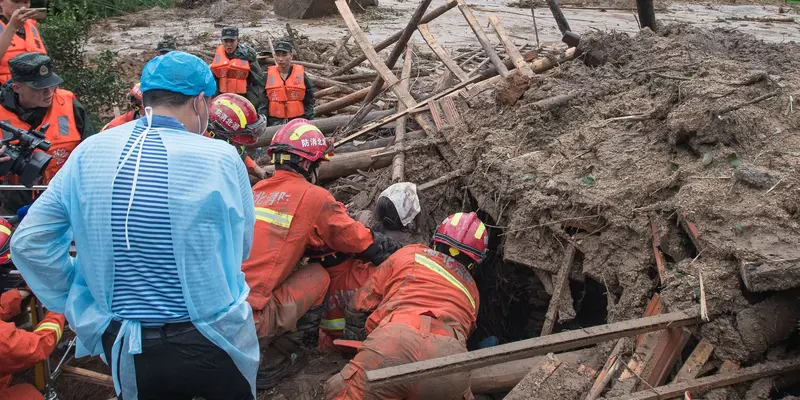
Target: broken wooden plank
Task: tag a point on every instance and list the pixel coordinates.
(560, 284)
(361, 39)
(608, 371)
(702, 385)
(550, 379)
(691, 230)
(546, 279)
(503, 377)
(670, 345)
(440, 180)
(529, 348)
(654, 307)
(694, 364)
(433, 14)
(482, 38)
(399, 159)
(660, 264)
(441, 53)
(85, 375)
(531, 382)
(511, 49)
(728, 366)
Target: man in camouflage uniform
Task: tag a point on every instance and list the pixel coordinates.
(234, 50)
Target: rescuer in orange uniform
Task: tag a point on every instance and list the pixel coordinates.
(20, 349)
(33, 99)
(134, 98)
(20, 33)
(233, 118)
(237, 70)
(294, 216)
(290, 94)
(397, 214)
(421, 303)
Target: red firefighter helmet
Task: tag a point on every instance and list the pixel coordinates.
(301, 138)
(5, 241)
(233, 117)
(465, 233)
(134, 96)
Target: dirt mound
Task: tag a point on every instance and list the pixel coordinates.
(686, 126)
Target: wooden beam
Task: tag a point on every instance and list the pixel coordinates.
(609, 370)
(511, 49)
(326, 125)
(441, 53)
(694, 364)
(660, 264)
(435, 13)
(503, 377)
(341, 102)
(482, 38)
(529, 348)
(398, 161)
(85, 375)
(702, 385)
(440, 180)
(560, 284)
(363, 42)
(670, 345)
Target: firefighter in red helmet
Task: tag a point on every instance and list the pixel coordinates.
(21, 349)
(421, 303)
(294, 215)
(234, 119)
(134, 98)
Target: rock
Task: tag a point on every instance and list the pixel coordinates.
(258, 5)
(768, 323)
(757, 177)
(305, 9)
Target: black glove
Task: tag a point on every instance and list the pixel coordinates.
(381, 248)
(354, 323)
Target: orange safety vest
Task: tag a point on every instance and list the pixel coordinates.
(122, 119)
(286, 97)
(63, 132)
(232, 73)
(31, 44)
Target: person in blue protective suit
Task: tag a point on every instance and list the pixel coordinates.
(156, 286)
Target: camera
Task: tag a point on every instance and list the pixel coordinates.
(27, 164)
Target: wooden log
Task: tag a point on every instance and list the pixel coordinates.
(338, 49)
(647, 14)
(609, 370)
(433, 14)
(766, 276)
(660, 263)
(85, 375)
(503, 377)
(561, 21)
(398, 161)
(441, 53)
(560, 284)
(323, 82)
(702, 385)
(694, 364)
(511, 49)
(482, 38)
(379, 143)
(528, 348)
(342, 165)
(440, 180)
(411, 147)
(326, 125)
(341, 102)
(328, 92)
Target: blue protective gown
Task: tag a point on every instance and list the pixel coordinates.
(212, 217)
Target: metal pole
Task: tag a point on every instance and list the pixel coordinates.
(22, 187)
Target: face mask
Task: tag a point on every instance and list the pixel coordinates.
(199, 122)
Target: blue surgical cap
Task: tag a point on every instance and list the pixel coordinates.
(178, 72)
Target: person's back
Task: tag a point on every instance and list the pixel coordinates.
(158, 271)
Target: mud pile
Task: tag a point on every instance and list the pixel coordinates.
(655, 137)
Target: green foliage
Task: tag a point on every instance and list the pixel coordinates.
(95, 81)
(107, 8)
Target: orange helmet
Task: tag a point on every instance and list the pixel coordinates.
(234, 118)
(302, 139)
(134, 96)
(465, 233)
(5, 241)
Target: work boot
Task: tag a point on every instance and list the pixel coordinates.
(307, 331)
(283, 358)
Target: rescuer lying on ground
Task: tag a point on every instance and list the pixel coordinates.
(292, 215)
(397, 212)
(234, 119)
(421, 303)
(20, 349)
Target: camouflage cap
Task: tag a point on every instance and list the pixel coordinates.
(165, 46)
(283, 45)
(34, 70)
(230, 32)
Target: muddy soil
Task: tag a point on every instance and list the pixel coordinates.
(651, 137)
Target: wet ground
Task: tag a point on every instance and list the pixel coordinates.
(197, 30)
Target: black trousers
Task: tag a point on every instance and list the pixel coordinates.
(178, 362)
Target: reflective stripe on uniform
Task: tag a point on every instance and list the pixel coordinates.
(52, 326)
(332, 324)
(273, 217)
(433, 266)
(4, 229)
(480, 230)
